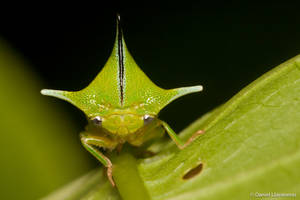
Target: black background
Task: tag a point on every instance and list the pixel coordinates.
(223, 45)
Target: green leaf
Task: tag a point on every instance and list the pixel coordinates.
(92, 186)
(251, 144)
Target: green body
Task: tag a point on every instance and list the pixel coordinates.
(122, 105)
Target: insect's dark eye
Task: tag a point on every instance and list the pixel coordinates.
(148, 119)
(97, 120)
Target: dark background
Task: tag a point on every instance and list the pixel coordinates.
(222, 45)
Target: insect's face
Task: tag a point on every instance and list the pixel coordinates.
(121, 124)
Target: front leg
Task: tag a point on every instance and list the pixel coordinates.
(91, 142)
(180, 144)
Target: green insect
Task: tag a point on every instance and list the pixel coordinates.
(121, 105)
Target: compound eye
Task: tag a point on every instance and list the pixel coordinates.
(97, 121)
(148, 119)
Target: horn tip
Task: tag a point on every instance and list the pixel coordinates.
(45, 91)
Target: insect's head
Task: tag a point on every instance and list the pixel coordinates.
(120, 124)
(121, 98)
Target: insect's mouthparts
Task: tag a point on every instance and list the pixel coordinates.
(123, 130)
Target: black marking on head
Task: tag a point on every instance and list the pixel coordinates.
(121, 58)
(147, 119)
(97, 121)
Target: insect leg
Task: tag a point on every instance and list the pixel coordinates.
(180, 144)
(90, 143)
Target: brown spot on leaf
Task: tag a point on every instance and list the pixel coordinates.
(193, 172)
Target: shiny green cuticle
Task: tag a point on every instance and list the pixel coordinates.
(122, 105)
